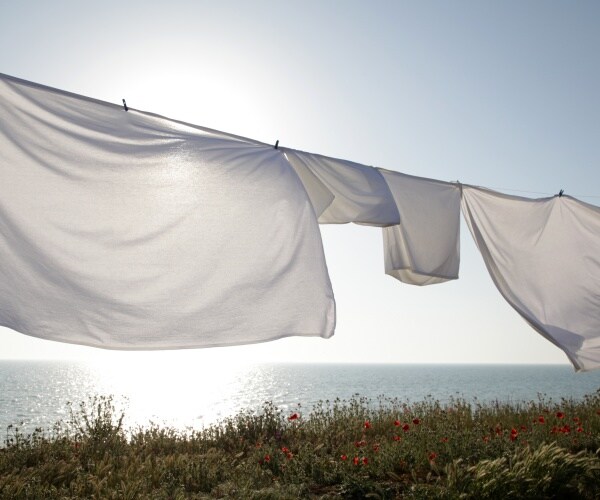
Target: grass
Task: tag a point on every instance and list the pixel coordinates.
(351, 449)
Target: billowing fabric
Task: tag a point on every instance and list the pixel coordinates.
(544, 257)
(424, 248)
(127, 230)
(343, 191)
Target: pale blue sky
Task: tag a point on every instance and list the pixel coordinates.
(502, 94)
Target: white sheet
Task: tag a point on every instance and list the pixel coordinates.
(544, 257)
(127, 230)
(424, 248)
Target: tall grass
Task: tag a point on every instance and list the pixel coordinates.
(354, 449)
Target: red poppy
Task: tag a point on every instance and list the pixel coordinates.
(358, 444)
(560, 414)
(367, 424)
(576, 420)
(486, 439)
(405, 427)
(396, 438)
(293, 416)
(579, 429)
(365, 461)
(376, 448)
(267, 458)
(289, 455)
(344, 458)
(513, 434)
(444, 440)
(416, 421)
(355, 460)
(397, 423)
(498, 430)
(285, 449)
(541, 419)
(524, 428)
(432, 456)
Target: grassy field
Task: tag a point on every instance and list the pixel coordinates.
(351, 449)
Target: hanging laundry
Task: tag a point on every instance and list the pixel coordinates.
(126, 230)
(343, 191)
(544, 258)
(424, 248)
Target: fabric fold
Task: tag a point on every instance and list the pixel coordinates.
(424, 249)
(343, 191)
(544, 257)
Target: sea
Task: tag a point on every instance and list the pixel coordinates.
(37, 394)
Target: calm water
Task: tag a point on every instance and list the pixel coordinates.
(36, 392)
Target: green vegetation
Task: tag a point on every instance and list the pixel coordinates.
(352, 449)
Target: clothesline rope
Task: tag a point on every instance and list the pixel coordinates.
(541, 192)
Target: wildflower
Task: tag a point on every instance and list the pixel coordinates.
(376, 447)
(355, 460)
(576, 420)
(344, 458)
(486, 439)
(444, 440)
(365, 461)
(397, 438)
(289, 455)
(267, 458)
(284, 449)
(416, 421)
(513, 434)
(405, 427)
(523, 428)
(397, 423)
(560, 415)
(293, 416)
(541, 419)
(358, 444)
(432, 456)
(580, 429)
(367, 424)
(498, 430)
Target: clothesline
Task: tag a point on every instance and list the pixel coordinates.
(541, 192)
(128, 230)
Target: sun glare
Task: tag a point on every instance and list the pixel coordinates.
(178, 388)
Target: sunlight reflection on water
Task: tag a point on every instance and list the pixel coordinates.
(188, 395)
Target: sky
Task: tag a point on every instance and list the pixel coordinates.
(496, 94)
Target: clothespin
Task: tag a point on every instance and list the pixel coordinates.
(276, 144)
(125, 105)
(560, 193)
